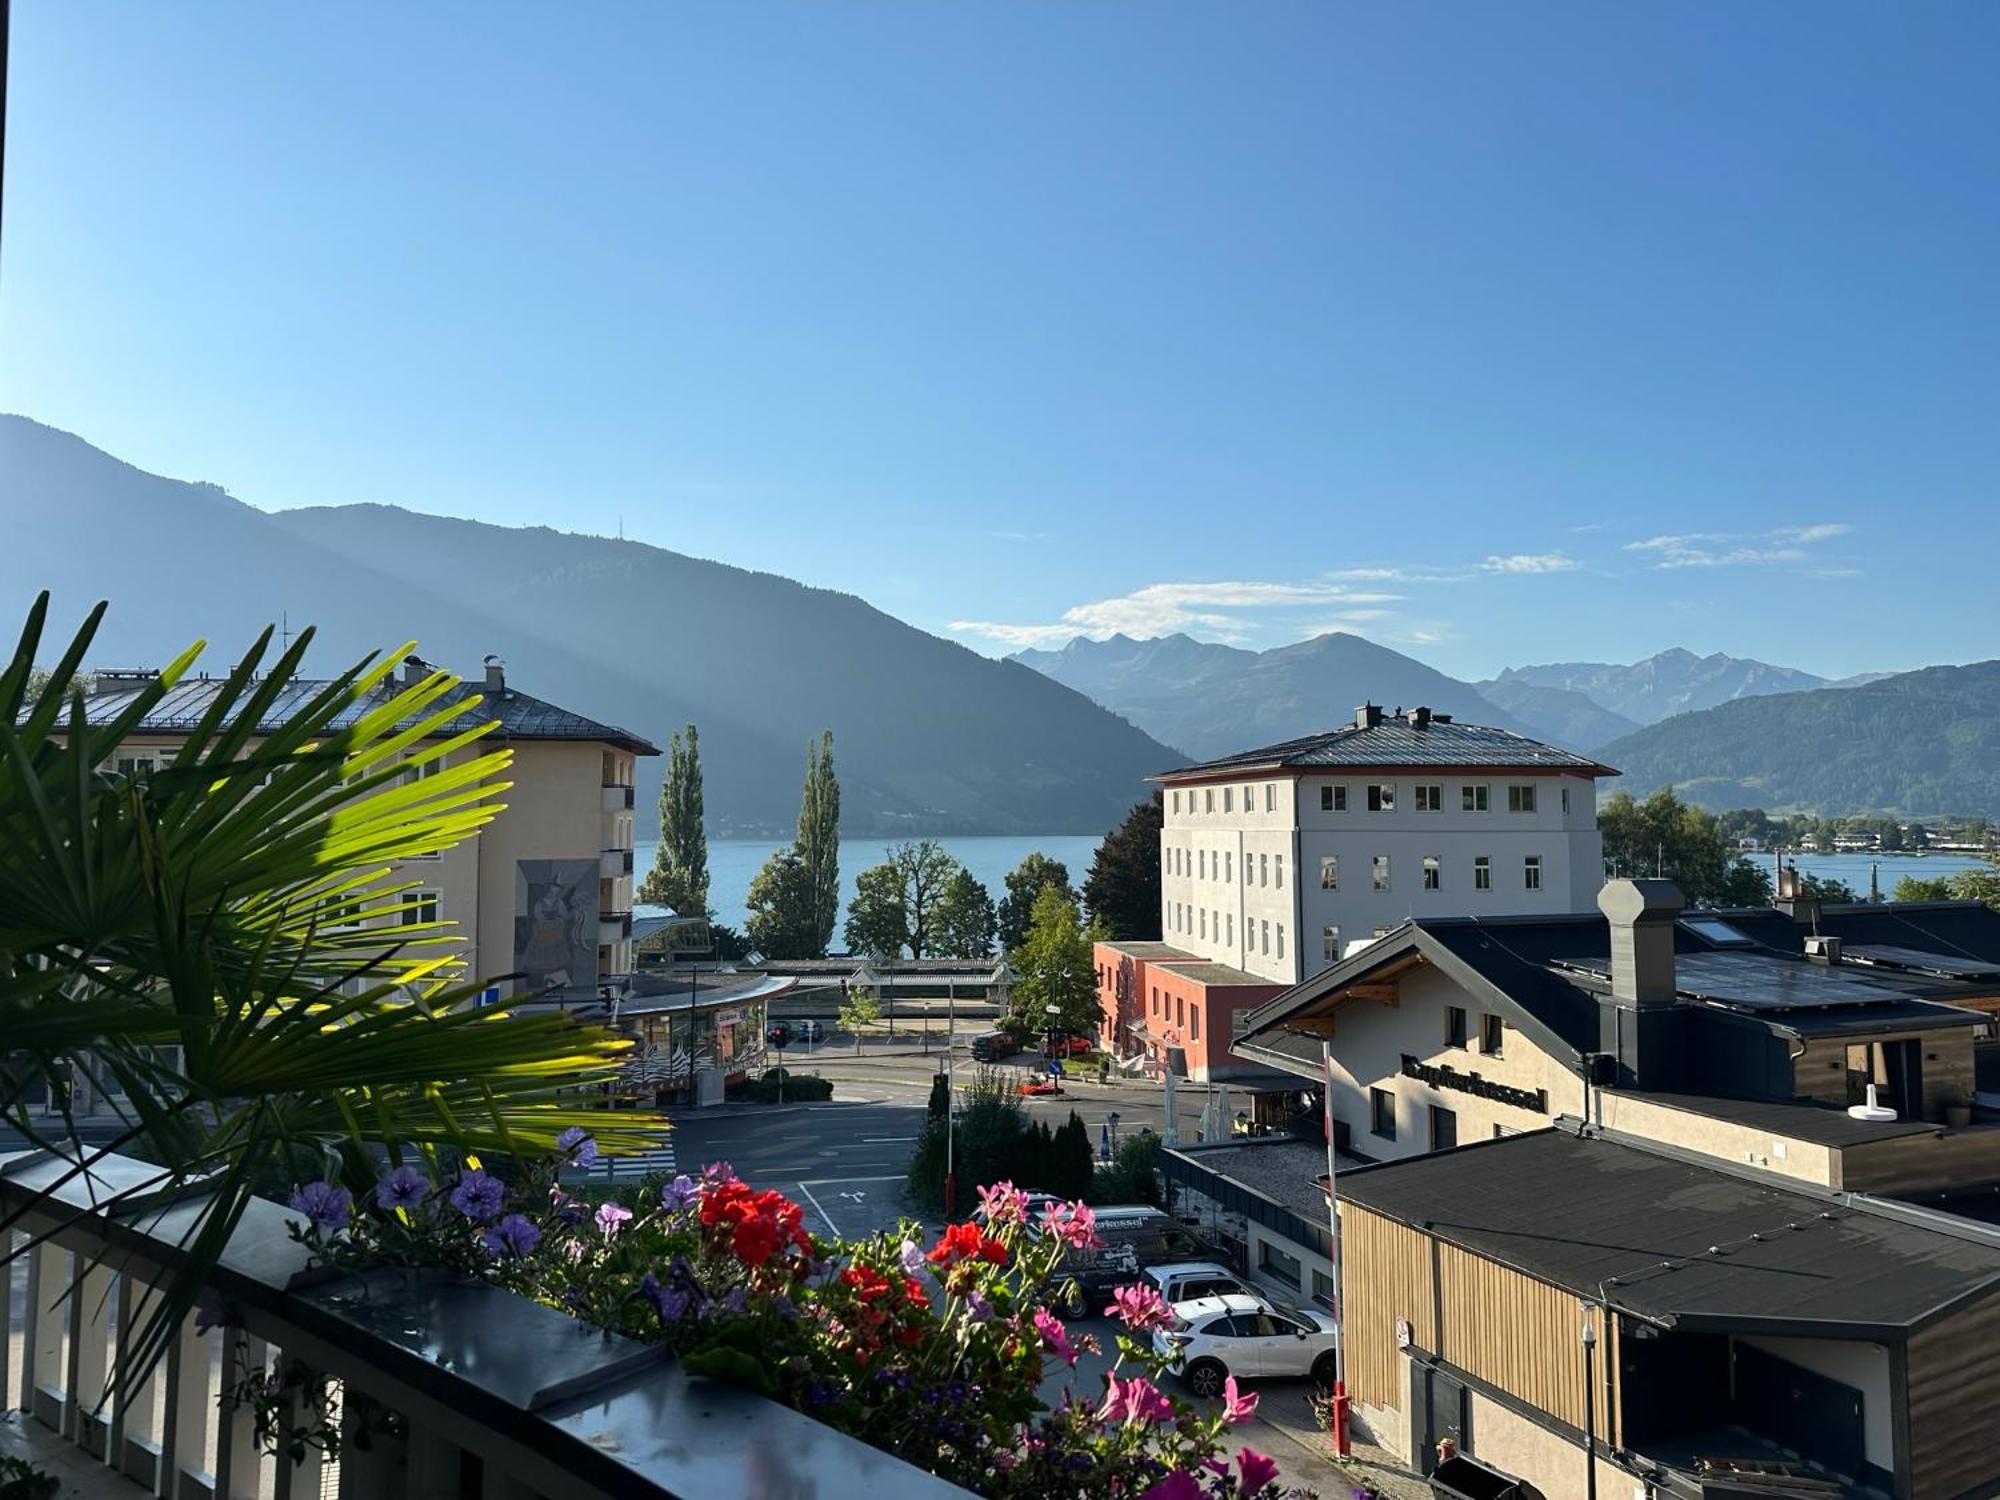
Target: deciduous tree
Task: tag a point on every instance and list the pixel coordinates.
(781, 923)
(963, 920)
(1024, 882)
(1686, 844)
(895, 904)
(1056, 968)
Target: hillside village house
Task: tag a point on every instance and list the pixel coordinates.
(544, 894)
(1639, 1123)
(1275, 862)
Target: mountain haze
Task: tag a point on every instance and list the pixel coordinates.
(1211, 700)
(1675, 681)
(1915, 743)
(928, 736)
(1560, 714)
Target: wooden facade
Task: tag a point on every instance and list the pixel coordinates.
(1954, 1404)
(1517, 1334)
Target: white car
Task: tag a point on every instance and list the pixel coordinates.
(1191, 1280)
(1216, 1337)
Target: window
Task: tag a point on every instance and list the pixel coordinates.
(1454, 1026)
(1270, 796)
(1444, 1128)
(1531, 872)
(417, 770)
(1204, 921)
(1382, 796)
(1430, 798)
(1380, 871)
(1208, 799)
(1329, 943)
(1275, 1263)
(1472, 797)
(1433, 873)
(1229, 928)
(1249, 798)
(1333, 799)
(1177, 801)
(1226, 799)
(1267, 938)
(1329, 872)
(1521, 798)
(1153, 1001)
(1263, 869)
(1278, 871)
(420, 906)
(1565, 797)
(1382, 1113)
(1180, 1010)
(1201, 863)
(1482, 872)
(1491, 1030)
(1322, 1292)
(135, 765)
(1228, 867)
(1194, 1023)
(1281, 940)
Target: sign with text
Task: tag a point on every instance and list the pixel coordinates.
(1444, 1076)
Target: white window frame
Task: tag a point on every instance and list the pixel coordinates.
(1521, 797)
(416, 900)
(1378, 872)
(1329, 942)
(1433, 873)
(1381, 796)
(1270, 796)
(1482, 872)
(1329, 872)
(1430, 796)
(1475, 796)
(1278, 872)
(1531, 872)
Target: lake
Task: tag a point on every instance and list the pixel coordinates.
(733, 862)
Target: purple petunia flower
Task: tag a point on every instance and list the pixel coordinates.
(978, 1309)
(578, 1146)
(611, 1218)
(671, 1302)
(513, 1235)
(911, 1258)
(479, 1195)
(679, 1193)
(326, 1207)
(405, 1187)
(736, 1301)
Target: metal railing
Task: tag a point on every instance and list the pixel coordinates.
(447, 1387)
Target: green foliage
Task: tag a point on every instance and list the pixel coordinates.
(939, 1104)
(1918, 888)
(231, 911)
(859, 1009)
(963, 919)
(818, 843)
(1133, 1176)
(1666, 836)
(727, 943)
(1829, 890)
(781, 922)
(679, 877)
(1979, 885)
(1025, 882)
(783, 1086)
(895, 904)
(1072, 1161)
(21, 1480)
(998, 1142)
(1122, 891)
(1057, 968)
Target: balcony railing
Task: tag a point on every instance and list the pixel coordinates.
(614, 926)
(613, 863)
(491, 1395)
(617, 799)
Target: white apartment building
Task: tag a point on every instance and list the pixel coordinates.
(1279, 860)
(543, 895)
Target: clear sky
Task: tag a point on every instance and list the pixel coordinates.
(1499, 332)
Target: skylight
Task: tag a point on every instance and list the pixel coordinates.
(1715, 931)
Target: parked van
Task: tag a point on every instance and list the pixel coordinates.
(1134, 1237)
(991, 1046)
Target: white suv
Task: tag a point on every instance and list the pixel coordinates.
(1217, 1337)
(1191, 1280)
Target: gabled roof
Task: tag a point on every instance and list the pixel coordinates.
(1398, 743)
(1684, 1244)
(520, 715)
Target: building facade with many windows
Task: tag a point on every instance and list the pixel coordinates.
(1278, 860)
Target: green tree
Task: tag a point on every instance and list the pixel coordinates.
(781, 922)
(818, 843)
(1918, 888)
(1122, 890)
(229, 912)
(859, 1009)
(1057, 967)
(895, 903)
(1025, 882)
(1684, 843)
(679, 877)
(1072, 1162)
(1829, 890)
(963, 919)
(1979, 885)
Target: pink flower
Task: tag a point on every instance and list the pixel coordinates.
(1179, 1485)
(610, 1217)
(1134, 1400)
(1258, 1471)
(1237, 1408)
(1050, 1327)
(1072, 1223)
(1003, 1203)
(1139, 1307)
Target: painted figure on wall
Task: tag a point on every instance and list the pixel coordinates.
(555, 924)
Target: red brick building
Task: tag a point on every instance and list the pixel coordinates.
(1154, 997)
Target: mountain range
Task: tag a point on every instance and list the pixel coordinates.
(928, 736)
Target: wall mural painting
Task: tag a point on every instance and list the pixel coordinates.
(555, 924)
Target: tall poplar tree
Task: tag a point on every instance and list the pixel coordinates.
(679, 877)
(818, 843)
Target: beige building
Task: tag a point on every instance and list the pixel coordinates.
(543, 896)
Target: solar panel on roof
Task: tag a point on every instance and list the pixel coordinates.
(1758, 981)
(1920, 961)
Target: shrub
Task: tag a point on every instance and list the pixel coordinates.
(1133, 1176)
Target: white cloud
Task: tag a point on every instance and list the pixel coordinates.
(1785, 545)
(1531, 562)
(1212, 609)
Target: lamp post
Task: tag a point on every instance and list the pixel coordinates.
(1340, 1438)
(1589, 1405)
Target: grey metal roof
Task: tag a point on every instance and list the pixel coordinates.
(1397, 743)
(1151, 952)
(1678, 1242)
(1203, 972)
(520, 715)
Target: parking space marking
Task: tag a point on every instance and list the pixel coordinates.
(820, 1208)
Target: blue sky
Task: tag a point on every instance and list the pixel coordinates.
(1500, 333)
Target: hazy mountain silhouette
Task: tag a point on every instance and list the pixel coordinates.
(1675, 681)
(929, 736)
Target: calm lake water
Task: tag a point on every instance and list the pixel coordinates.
(733, 862)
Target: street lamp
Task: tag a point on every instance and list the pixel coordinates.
(1589, 1403)
(863, 978)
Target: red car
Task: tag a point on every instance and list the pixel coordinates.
(1043, 1085)
(1074, 1046)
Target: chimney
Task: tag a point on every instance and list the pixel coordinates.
(1420, 717)
(415, 669)
(1368, 716)
(1794, 900)
(496, 675)
(1642, 914)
